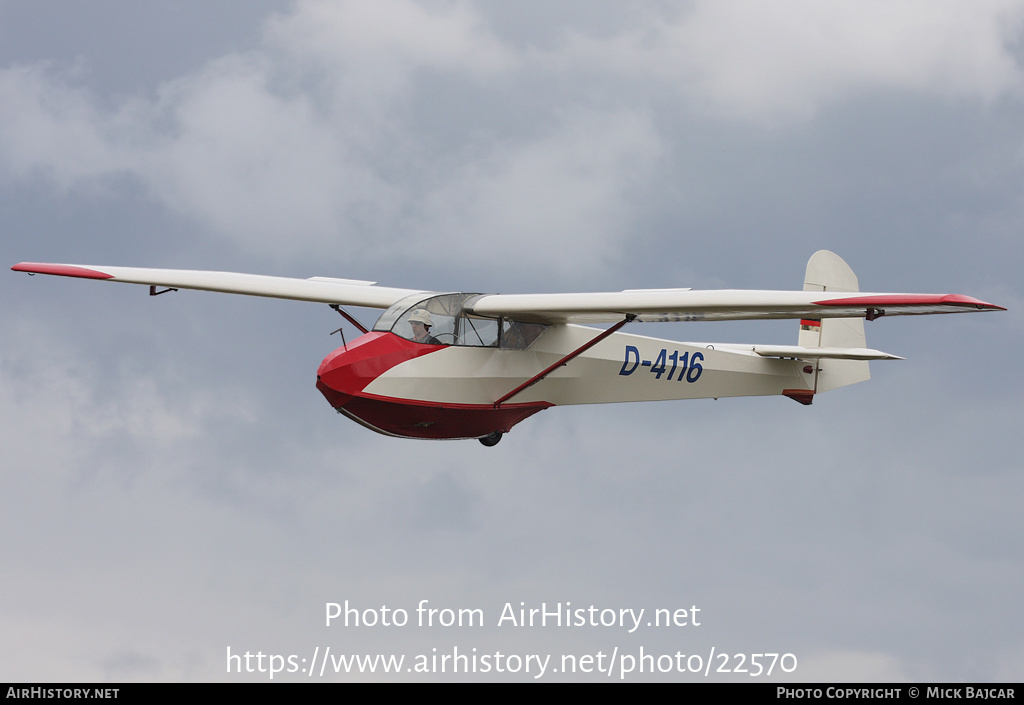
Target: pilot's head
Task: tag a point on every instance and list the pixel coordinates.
(420, 322)
(420, 316)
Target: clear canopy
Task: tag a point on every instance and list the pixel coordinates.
(448, 323)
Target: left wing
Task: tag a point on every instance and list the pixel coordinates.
(349, 292)
(717, 305)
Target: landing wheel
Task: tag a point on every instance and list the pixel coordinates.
(491, 439)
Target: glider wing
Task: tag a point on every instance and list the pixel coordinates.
(717, 305)
(349, 292)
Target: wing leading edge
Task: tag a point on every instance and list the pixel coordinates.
(348, 292)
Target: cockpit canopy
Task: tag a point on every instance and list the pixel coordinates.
(451, 324)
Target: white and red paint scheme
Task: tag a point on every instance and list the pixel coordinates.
(494, 360)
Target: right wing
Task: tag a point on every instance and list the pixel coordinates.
(350, 292)
(717, 305)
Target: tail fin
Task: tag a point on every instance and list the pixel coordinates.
(826, 271)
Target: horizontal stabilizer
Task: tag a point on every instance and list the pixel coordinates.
(798, 351)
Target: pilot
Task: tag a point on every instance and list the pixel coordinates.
(420, 322)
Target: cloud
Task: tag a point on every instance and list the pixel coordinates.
(383, 43)
(854, 667)
(176, 465)
(766, 62)
(99, 415)
(309, 143)
(47, 125)
(562, 198)
(322, 140)
(276, 149)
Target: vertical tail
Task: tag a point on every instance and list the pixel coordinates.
(826, 271)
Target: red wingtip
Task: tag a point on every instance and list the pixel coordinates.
(63, 270)
(912, 300)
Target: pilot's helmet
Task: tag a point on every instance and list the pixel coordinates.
(420, 316)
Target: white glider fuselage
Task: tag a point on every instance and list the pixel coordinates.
(401, 387)
(622, 367)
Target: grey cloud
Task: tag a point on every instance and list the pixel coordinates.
(172, 483)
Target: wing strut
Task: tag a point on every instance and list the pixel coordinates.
(349, 318)
(581, 349)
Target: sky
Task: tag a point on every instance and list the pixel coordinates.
(174, 492)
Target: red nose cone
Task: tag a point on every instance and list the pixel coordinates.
(345, 373)
(349, 369)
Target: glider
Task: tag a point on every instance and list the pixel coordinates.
(440, 365)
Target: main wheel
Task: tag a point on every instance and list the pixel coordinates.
(491, 439)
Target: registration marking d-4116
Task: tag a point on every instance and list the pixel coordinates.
(688, 365)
